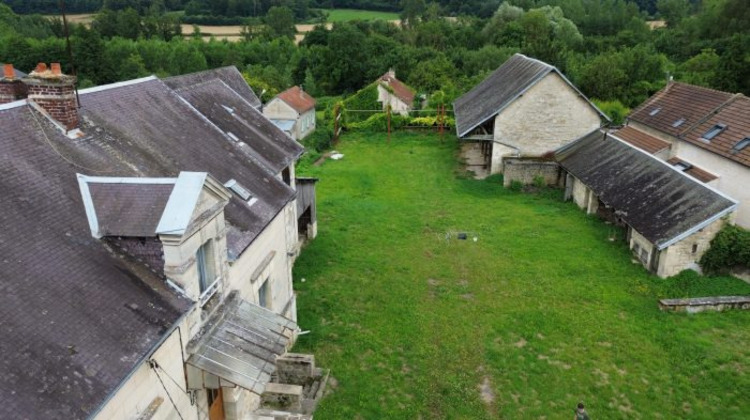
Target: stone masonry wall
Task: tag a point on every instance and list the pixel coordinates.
(685, 254)
(526, 171)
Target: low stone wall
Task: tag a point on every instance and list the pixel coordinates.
(694, 305)
(526, 170)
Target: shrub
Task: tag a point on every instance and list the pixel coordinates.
(379, 122)
(365, 99)
(614, 109)
(730, 248)
(539, 181)
(516, 185)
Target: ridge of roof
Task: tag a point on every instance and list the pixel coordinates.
(297, 98)
(102, 88)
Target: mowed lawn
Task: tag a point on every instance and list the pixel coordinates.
(542, 311)
(345, 15)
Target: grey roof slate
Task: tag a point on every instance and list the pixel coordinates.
(132, 210)
(76, 314)
(232, 114)
(229, 75)
(503, 86)
(658, 201)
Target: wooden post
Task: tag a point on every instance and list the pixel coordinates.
(336, 117)
(388, 113)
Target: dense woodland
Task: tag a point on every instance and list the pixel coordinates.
(604, 46)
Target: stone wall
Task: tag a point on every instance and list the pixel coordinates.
(642, 248)
(549, 115)
(686, 253)
(584, 197)
(694, 305)
(526, 171)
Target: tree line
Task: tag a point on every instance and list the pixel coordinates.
(604, 46)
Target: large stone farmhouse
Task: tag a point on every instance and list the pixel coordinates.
(704, 132)
(526, 108)
(293, 111)
(670, 217)
(146, 256)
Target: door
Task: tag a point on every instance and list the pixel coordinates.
(215, 404)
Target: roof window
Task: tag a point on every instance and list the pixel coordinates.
(714, 131)
(683, 166)
(654, 111)
(741, 145)
(238, 189)
(678, 123)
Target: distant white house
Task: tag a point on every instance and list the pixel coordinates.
(395, 93)
(293, 111)
(525, 108)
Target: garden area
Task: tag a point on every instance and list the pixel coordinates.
(432, 295)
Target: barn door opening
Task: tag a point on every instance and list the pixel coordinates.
(215, 404)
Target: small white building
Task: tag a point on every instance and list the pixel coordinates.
(394, 93)
(293, 111)
(703, 132)
(670, 217)
(525, 108)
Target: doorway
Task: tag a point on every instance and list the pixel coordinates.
(215, 404)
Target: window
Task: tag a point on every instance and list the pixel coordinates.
(678, 123)
(695, 248)
(654, 111)
(263, 300)
(286, 175)
(741, 145)
(683, 166)
(714, 131)
(206, 275)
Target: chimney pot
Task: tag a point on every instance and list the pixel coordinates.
(41, 68)
(8, 72)
(56, 69)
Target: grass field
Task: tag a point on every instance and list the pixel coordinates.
(540, 312)
(343, 15)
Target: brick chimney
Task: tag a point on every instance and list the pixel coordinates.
(54, 92)
(11, 87)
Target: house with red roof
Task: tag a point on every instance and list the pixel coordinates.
(395, 93)
(701, 131)
(293, 111)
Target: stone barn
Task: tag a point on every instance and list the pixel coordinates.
(670, 217)
(525, 108)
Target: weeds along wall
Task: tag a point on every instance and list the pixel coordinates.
(729, 249)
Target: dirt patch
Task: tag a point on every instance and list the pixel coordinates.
(467, 296)
(463, 283)
(485, 390)
(433, 282)
(521, 343)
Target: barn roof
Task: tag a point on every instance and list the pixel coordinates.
(79, 315)
(298, 99)
(654, 198)
(229, 75)
(501, 88)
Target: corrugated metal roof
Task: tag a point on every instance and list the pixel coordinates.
(518, 74)
(240, 343)
(652, 197)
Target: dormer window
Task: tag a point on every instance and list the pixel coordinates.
(713, 132)
(207, 280)
(238, 189)
(678, 123)
(654, 111)
(741, 145)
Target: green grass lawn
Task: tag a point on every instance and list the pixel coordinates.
(541, 312)
(344, 15)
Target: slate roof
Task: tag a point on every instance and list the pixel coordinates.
(501, 88)
(78, 316)
(678, 101)
(735, 114)
(402, 92)
(652, 197)
(642, 140)
(256, 135)
(18, 74)
(132, 210)
(298, 99)
(229, 75)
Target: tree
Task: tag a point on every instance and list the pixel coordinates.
(673, 11)
(412, 10)
(281, 21)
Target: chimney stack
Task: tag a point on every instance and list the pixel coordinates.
(11, 87)
(54, 92)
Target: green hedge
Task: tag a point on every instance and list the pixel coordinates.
(730, 248)
(365, 99)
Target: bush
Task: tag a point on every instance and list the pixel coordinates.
(516, 186)
(730, 248)
(615, 110)
(539, 181)
(320, 139)
(379, 122)
(365, 99)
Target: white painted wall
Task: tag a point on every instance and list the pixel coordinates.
(278, 109)
(549, 115)
(305, 125)
(387, 98)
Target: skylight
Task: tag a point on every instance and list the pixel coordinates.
(714, 131)
(683, 166)
(238, 189)
(741, 145)
(678, 122)
(654, 111)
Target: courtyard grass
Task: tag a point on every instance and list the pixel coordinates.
(542, 311)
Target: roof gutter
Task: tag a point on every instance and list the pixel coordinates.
(141, 361)
(697, 227)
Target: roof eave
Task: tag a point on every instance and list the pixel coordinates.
(697, 227)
